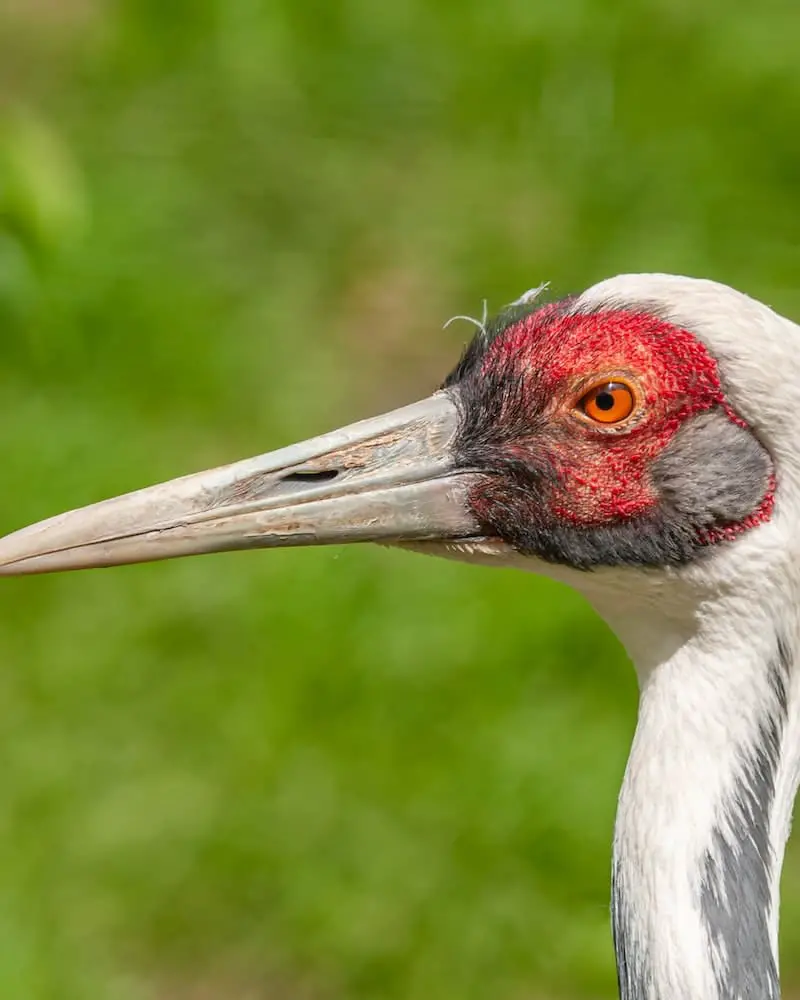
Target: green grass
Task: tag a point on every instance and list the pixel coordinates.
(224, 225)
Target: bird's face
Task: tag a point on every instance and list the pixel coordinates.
(605, 438)
(594, 431)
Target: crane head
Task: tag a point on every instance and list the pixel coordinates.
(631, 425)
(607, 434)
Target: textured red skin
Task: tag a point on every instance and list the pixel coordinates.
(603, 474)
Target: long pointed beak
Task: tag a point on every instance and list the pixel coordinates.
(389, 479)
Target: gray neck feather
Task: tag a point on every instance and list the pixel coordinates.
(739, 869)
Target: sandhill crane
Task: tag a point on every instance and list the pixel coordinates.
(634, 441)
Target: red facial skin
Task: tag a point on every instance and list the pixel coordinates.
(603, 470)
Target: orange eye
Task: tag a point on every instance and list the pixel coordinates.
(608, 402)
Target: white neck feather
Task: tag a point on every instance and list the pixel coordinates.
(705, 806)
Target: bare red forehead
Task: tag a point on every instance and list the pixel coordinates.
(558, 346)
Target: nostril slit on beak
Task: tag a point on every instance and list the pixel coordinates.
(311, 477)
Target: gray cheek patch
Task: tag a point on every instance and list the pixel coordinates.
(713, 472)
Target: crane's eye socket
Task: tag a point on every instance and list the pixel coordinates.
(608, 402)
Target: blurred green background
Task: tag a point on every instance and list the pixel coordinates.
(228, 224)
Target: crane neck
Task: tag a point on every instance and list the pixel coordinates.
(706, 801)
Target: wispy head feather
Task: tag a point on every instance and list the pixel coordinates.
(480, 324)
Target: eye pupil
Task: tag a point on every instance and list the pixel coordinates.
(604, 401)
